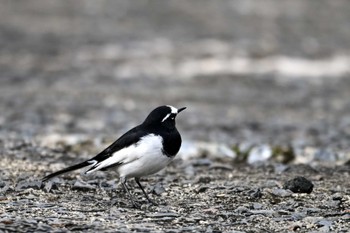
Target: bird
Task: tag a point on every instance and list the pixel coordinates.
(141, 151)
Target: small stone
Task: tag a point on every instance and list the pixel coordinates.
(324, 229)
(203, 180)
(201, 189)
(82, 185)
(281, 192)
(326, 154)
(242, 210)
(299, 185)
(219, 166)
(48, 186)
(257, 206)
(298, 216)
(260, 154)
(264, 212)
(337, 197)
(4, 186)
(163, 215)
(324, 222)
(272, 184)
(255, 193)
(158, 189)
(333, 203)
(202, 162)
(23, 184)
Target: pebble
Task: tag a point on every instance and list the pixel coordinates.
(280, 192)
(203, 180)
(80, 185)
(23, 184)
(257, 206)
(272, 184)
(202, 162)
(242, 209)
(162, 215)
(202, 189)
(4, 186)
(324, 222)
(221, 167)
(298, 216)
(158, 189)
(327, 155)
(299, 185)
(255, 193)
(48, 186)
(259, 154)
(269, 213)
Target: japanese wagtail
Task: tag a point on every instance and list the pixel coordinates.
(143, 150)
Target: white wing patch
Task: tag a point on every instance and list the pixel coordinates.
(149, 143)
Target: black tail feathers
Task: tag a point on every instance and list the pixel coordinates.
(68, 169)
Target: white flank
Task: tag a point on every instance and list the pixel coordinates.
(140, 159)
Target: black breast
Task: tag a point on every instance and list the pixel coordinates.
(171, 142)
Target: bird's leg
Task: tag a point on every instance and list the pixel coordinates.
(123, 182)
(139, 184)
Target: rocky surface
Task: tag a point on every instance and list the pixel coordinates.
(266, 86)
(202, 194)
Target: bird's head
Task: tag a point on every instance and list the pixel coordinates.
(163, 115)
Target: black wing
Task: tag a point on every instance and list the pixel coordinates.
(127, 139)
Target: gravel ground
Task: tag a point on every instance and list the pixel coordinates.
(202, 194)
(266, 86)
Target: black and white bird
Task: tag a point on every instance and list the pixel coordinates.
(143, 150)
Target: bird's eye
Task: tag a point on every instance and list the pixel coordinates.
(173, 118)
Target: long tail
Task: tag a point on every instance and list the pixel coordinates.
(68, 169)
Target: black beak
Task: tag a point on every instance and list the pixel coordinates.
(181, 109)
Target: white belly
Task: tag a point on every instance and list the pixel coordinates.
(148, 158)
(149, 163)
(141, 159)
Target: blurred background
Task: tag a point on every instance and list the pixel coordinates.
(255, 75)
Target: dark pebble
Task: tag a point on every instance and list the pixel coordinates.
(4, 186)
(162, 215)
(203, 179)
(201, 189)
(255, 193)
(299, 185)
